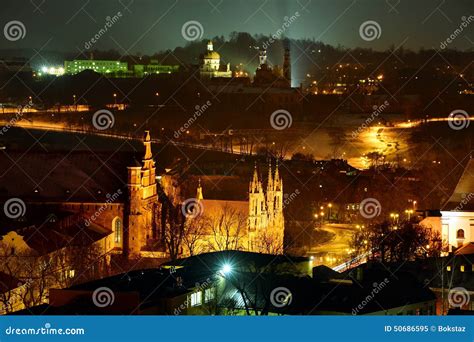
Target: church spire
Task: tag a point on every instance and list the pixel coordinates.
(254, 185)
(270, 176)
(147, 144)
(277, 182)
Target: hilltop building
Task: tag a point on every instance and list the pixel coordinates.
(211, 66)
(266, 76)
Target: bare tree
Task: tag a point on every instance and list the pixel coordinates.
(227, 228)
(175, 223)
(194, 232)
(388, 242)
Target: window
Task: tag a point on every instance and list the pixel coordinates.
(448, 268)
(196, 298)
(117, 230)
(460, 234)
(462, 268)
(209, 294)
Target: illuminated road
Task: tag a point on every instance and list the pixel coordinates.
(336, 250)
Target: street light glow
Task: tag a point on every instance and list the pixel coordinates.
(226, 269)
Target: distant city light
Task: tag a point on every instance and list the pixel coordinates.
(51, 70)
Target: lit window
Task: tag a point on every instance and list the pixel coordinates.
(118, 230)
(462, 268)
(196, 298)
(448, 268)
(209, 294)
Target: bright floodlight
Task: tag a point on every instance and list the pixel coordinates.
(226, 269)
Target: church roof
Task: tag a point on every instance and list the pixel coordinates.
(462, 198)
(211, 55)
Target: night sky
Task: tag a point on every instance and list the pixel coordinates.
(148, 26)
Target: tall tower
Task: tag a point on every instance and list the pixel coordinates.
(142, 202)
(270, 194)
(257, 208)
(287, 67)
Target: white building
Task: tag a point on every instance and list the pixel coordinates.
(456, 223)
(211, 64)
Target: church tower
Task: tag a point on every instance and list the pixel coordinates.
(142, 202)
(270, 194)
(257, 208)
(278, 223)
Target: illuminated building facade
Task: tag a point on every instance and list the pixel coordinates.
(99, 66)
(255, 225)
(456, 223)
(211, 64)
